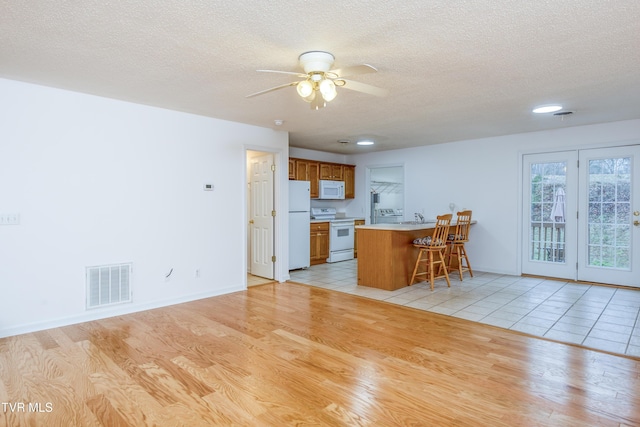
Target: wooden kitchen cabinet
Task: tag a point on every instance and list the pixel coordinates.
(292, 169)
(313, 171)
(314, 177)
(302, 170)
(331, 171)
(308, 170)
(319, 242)
(349, 174)
(355, 236)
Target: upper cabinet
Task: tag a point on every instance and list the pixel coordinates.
(292, 169)
(314, 171)
(306, 170)
(349, 175)
(331, 171)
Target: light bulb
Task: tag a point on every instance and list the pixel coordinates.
(328, 89)
(305, 88)
(311, 97)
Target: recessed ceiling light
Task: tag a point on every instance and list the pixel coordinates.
(547, 109)
(365, 142)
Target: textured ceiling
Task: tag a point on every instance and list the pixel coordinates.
(455, 69)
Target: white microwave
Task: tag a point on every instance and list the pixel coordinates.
(332, 190)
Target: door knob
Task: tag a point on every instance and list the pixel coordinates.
(250, 221)
(636, 223)
(636, 213)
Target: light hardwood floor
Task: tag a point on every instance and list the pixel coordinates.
(290, 354)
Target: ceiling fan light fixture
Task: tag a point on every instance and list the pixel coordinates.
(316, 60)
(328, 89)
(311, 97)
(305, 88)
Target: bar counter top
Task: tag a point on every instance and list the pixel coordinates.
(399, 227)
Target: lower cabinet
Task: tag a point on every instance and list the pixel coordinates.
(319, 242)
(355, 237)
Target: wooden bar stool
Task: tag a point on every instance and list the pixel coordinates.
(455, 244)
(432, 252)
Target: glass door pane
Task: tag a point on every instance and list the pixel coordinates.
(609, 220)
(609, 227)
(549, 183)
(547, 220)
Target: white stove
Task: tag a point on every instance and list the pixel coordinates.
(323, 213)
(341, 231)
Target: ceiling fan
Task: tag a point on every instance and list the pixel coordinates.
(319, 81)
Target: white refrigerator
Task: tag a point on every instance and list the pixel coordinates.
(299, 223)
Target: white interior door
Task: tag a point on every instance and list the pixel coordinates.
(581, 219)
(609, 221)
(261, 216)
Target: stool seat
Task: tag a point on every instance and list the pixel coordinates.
(432, 252)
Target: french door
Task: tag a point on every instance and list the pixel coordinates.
(582, 215)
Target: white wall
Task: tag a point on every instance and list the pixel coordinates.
(98, 181)
(482, 175)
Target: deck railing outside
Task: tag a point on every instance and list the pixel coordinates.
(547, 241)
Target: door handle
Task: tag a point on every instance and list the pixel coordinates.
(636, 223)
(636, 213)
(250, 221)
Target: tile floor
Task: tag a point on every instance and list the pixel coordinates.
(598, 317)
(256, 280)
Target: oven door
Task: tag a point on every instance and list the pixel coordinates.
(341, 241)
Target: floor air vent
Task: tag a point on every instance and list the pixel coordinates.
(108, 285)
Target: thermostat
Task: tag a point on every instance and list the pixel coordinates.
(208, 187)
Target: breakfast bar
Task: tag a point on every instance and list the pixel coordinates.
(386, 255)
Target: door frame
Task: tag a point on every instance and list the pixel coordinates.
(262, 265)
(367, 188)
(280, 160)
(550, 149)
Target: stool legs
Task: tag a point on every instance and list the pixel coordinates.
(430, 260)
(458, 250)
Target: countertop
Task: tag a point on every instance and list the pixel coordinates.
(429, 223)
(398, 227)
(313, 221)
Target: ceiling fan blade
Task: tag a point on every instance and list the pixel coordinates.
(272, 89)
(292, 73)
(353, 70)
(364, 88)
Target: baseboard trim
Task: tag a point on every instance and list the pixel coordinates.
(97, 314)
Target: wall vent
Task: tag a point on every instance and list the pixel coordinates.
(108, 285)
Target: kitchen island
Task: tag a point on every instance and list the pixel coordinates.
(386, 255)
